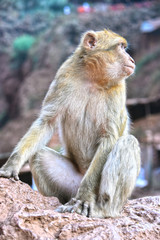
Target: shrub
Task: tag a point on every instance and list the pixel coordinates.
(21, 47)
(22, 44)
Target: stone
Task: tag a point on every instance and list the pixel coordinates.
(26, 214)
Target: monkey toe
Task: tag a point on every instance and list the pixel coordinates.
(9, 174)
(5, 173)
(15, 176)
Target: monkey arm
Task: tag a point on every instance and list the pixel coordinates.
(37, 136)
(85, 199)
(93, 174)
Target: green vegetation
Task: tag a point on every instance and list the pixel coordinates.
(21, 47)
(22, 44)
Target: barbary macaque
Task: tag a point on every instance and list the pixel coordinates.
(97, 170)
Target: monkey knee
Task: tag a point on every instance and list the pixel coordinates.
(123, 161)
(128, 141)
(38, 173)
(132, 141)
(37, 158)
(33, 162)
(128, 146)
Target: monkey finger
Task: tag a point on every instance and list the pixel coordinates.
(86, 207)
(59, 209)
(15, 175)
(90, 209)
(71, 202)
(64, 208)
(77, 207)
(68, 208)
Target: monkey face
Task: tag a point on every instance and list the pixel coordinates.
(105, 57)
(128, 63)
(119, 64)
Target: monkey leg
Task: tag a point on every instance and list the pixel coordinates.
(55, 175)
(118, 177)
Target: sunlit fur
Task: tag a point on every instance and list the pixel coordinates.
(87, 101)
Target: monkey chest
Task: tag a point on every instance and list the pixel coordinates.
(82, 127)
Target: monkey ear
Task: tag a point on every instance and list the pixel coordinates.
(89, 40)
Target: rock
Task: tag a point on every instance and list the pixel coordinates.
(25, 214)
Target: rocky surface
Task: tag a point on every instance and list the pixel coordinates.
(25, 214)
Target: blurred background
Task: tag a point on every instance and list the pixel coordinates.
(36, 36)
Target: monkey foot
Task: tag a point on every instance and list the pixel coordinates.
(77, 206)
(7, 173)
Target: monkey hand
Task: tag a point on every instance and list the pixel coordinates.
(10, 168)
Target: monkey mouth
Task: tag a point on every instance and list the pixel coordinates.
(129, 69)
(130, 66)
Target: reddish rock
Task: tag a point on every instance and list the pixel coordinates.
(25, 214)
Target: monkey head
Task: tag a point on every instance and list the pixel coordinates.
(104, 57)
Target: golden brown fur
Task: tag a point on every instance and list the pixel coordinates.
(87, 99)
